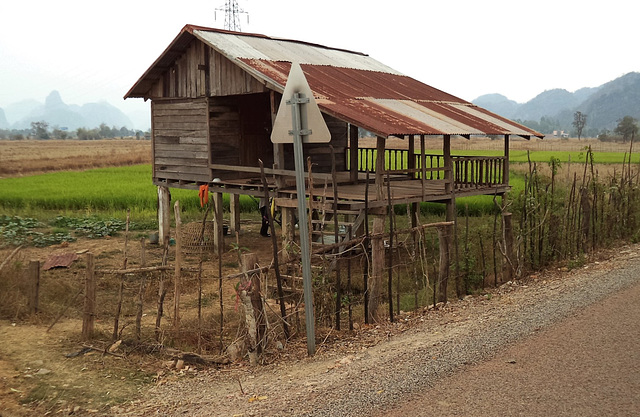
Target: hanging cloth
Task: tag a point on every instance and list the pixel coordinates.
(204, 195)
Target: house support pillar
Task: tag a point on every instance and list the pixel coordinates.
(234, 209)
(377, 243)
(353, 153)
(217, 221)
(449, 186)
(164, 213)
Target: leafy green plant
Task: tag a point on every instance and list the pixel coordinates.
(15, 231)
(91, 227)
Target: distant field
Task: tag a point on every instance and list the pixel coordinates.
(28, 157)
(67, 187)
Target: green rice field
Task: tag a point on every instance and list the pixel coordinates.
(114, 190)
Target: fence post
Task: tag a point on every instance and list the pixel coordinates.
(34, 285)
(178, 266)
(89, 299)
(444, 236)
(249, 262)
(508, 267)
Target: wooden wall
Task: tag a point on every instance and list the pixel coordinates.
(180, 147)
(240, 130)
(320, 153)
(203, 72)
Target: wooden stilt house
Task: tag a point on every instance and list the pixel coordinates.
(214, 95)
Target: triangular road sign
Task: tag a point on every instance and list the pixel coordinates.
(311, 118)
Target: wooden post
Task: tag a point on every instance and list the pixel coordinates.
(336, 235)
(423, 164)
(217, 220)
(140, 301)
(34, 286)
(116, 321)
(89, 312)
(377, 244)
(234, 208)
(377, 268)
(164, 216)
(178, 267)
(162, 291)
(250, 262)
(411, 156)
(353, 153)
(274, 244)
(509, 264)
(444, 236)
(505, 172)
(448, 176)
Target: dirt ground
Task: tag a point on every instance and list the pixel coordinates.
(39, 374)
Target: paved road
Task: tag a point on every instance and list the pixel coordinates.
(585, 365)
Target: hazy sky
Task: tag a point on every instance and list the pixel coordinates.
(96, 50)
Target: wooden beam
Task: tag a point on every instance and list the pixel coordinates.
(234, 208)
(505, 173)
(448, 177)
(411, 157)
(353, 152)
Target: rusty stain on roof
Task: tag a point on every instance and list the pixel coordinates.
(348, 85)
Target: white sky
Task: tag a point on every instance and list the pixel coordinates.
(96, 50)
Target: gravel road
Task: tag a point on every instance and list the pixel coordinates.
(480, 336)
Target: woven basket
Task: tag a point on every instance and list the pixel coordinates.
(191, 242)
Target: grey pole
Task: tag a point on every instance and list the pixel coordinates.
(303, 226)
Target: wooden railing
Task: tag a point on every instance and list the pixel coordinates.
(477, 171)
(468, 171)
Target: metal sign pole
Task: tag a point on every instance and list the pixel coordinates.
(298, 132)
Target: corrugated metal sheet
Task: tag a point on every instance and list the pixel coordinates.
(348, 85)
(237, 46)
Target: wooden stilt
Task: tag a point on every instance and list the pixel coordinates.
(164, 213)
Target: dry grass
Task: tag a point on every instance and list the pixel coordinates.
(28, 157)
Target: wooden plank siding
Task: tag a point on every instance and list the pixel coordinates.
(320, 153)
(180, 140)
(200, 64)
(239, 133)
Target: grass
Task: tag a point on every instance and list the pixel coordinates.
(111, 191)
(108, 191)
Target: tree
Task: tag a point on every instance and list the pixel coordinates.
(627, 128)
(40, 130)
(579, 121)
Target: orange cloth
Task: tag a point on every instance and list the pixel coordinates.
(204, 195)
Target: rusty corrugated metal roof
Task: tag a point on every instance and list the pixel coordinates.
(348, 85)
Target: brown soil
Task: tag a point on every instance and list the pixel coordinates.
(35, 375)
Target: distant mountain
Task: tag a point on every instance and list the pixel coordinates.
(102, 112)
(548, 103)
(20, 110)
(57, 113)
(4, 124)
(497, 103)
(613, 101)
(603, 105)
